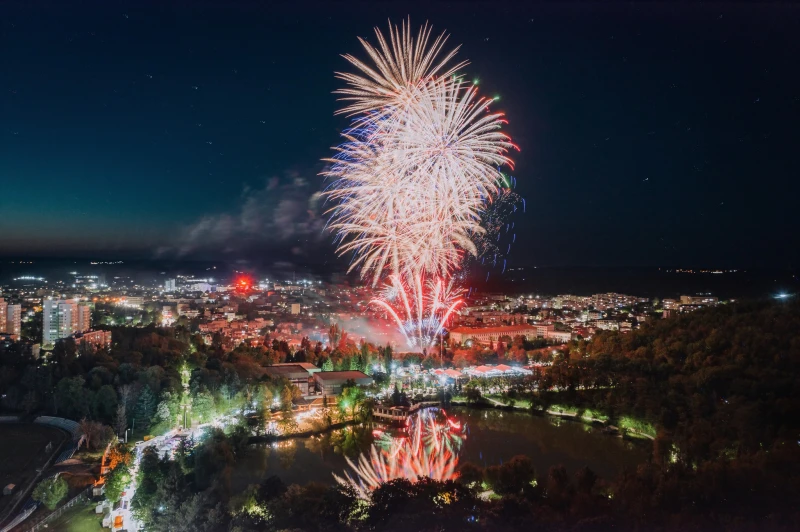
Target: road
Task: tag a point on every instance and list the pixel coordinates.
(167, 442)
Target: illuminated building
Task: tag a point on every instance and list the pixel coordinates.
(300, 374)
(699, 300)
(10, 319)
(485, 335)
(64, 317)
(669, 304)
(332, 382)
(84, 317)
(99, 339)
(14, 320)
(60, 320)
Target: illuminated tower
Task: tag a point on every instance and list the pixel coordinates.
(60, 320)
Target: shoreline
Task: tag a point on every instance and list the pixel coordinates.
(252, 440)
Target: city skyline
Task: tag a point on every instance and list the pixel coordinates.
(140, 133)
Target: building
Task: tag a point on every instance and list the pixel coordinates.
(84, 316)
(295, 308)
(669, 304)
(559, 336)
(612, 300)
(169, 285)
(99, 339)
(10, 319)
(570, 301)
(301, 374)
(486, 335)
(64, 317)
(14, 320)
(607, 325)
(60, 320)
(332, 382)
(136, 302)
(699, 300)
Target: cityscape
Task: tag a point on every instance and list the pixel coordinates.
(398, 267)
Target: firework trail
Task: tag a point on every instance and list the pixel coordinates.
(430, 450)
(416, 173)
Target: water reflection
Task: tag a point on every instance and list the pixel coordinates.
(428, 447)
(496, 436)
(485, 437)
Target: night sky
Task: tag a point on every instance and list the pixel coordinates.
(651, 134)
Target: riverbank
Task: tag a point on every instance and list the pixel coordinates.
(273, 438)
(627, 424)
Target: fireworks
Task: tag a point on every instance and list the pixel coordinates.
(419, 311)
(431, 450)
(415, 174)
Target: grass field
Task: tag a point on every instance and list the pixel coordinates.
(22, 450)
(79, 518)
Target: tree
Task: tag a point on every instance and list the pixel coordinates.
(287, 422)
(117, 481)
(96, 435)
(327, 365)
(286, 398)
(50, 491)
(203, 406)
(105, 404)
(350, 400)
(511, 477)
(120, 420)
(145, 408)
(472, 392)
(71, 398)
(387, 359)
(334, 335)
(470, 474)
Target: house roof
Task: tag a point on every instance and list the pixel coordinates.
(288, 370)
(309, 367)
(504, 329)
(342, 375)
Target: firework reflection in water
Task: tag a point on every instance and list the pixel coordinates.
(430, 450)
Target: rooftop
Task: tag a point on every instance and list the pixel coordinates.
(309, 367)
(499, 329)
(342, 375)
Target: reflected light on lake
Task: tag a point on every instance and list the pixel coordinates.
(427, 447)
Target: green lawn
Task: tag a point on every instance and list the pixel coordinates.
(79, 518)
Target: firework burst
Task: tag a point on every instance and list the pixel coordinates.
(414, 176)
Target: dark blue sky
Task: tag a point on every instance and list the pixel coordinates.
(651, 134)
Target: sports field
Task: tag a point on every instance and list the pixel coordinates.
(22, 451)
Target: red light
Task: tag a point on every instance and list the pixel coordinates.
(243, 283)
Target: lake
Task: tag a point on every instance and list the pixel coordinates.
(484, 437)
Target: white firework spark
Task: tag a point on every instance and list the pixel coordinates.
(415, 174)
